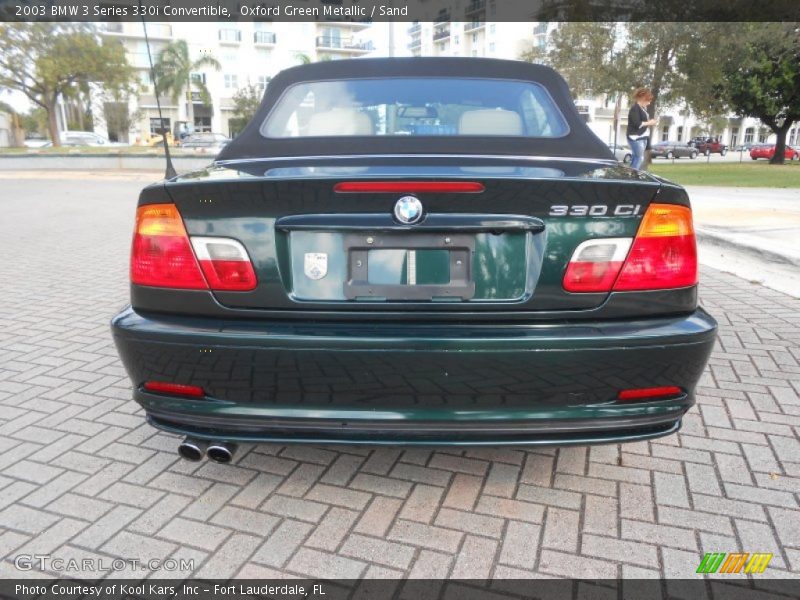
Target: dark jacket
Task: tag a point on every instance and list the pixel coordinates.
(636, 116)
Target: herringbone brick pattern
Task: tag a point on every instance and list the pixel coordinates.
(83, 476)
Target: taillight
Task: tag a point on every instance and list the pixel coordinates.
(225, 264)
(595, 264)
(162, 255)
(663, 255)
(664, 251)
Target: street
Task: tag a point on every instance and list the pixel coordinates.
(83, 476)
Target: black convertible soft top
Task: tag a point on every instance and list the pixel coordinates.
(580, 142)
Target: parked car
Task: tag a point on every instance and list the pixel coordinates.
(768, 151)
(205, 143)
(86, 138)
(38, 143)
(709, 145)
(673, 150)
(622, 153)
(330, 279)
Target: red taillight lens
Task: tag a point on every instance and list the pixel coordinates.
(653, 392)
(162, 255)
(664, 252)
(225, 263)
(176, 389)
(409, 187)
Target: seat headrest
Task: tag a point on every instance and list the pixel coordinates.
(340, 121)
(490, 122)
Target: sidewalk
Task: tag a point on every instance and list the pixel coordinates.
(752, 232)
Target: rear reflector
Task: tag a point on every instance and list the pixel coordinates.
(225, 264)
(654, 392)
(176, 389)
(595, 264)
(162, 255)
(403, 187)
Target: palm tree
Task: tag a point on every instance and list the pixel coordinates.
(302, 59)
(174, 70)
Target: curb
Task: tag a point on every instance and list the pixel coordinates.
(716, 238)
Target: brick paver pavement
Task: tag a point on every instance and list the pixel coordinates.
(83, 476)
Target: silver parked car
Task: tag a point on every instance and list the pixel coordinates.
(87, 138)
(622, 152)
(205, 143)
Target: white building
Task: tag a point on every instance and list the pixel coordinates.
(249, 53)
(6, 135)
(476, 36)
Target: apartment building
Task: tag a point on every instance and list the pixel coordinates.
(250, 53)
(470, 32)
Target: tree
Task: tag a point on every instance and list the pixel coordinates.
(762, 78)
(246, 101)
(35, 121)
(46, 61)
(117, 116)
(584, 53)
(174, 69)
(615, 58)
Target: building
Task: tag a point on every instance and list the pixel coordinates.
(476, 35)
(6, 136)
(250, 53)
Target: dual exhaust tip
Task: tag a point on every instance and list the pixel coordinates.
(194, 450)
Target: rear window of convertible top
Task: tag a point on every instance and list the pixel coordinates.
(406, 106)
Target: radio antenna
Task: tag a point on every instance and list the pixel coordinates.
(170, 170)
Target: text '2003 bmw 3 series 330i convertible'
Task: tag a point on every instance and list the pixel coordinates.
(414, 251)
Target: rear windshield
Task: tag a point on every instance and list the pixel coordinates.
(406, 106)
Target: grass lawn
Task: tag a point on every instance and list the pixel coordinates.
(746, 174)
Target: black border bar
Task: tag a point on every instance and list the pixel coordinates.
(399, 10)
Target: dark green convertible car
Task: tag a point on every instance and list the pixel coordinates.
(414, 251)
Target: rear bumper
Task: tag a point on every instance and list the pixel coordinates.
(415, 383)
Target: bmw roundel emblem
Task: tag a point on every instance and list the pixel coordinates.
(408, 210)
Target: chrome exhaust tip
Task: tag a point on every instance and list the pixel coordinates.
(221, 452)
(192, 450)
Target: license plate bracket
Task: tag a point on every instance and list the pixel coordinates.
(460, 247)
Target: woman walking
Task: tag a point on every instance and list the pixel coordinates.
(638, 122)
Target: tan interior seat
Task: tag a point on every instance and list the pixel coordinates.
(340, 121)
(490, 122)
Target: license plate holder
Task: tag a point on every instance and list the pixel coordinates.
(358, 245)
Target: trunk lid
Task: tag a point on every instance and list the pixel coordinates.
(504, 248)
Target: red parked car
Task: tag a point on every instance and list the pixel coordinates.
(768, 151)
(708, 145)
